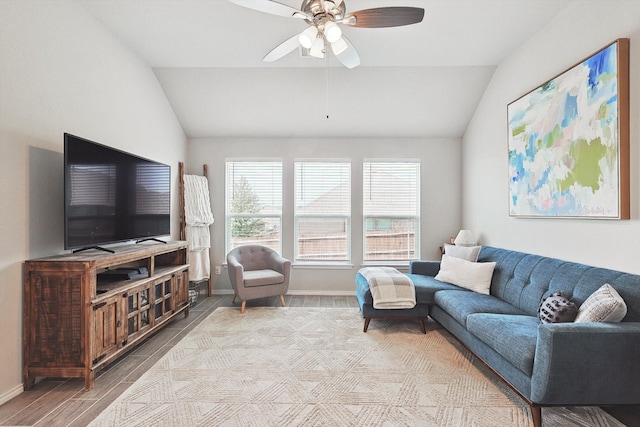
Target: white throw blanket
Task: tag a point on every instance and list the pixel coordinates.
(198, 218)
(198, 237)
(199, 265)
(390, 289)
(197, 206)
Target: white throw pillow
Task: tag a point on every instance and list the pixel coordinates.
(475, 276)
(604, 305)
(470, 253)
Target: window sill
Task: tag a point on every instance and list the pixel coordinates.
(323, 265)
(400, 265)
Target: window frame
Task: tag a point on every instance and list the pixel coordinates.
(347, 218)
(367, 216)
(230, 216)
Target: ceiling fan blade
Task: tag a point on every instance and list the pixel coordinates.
(272, 7)
(282, 49)
(349, 57)
(382, 17)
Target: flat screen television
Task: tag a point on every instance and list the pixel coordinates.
(112, 196)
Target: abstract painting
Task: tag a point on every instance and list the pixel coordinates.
(569, 141)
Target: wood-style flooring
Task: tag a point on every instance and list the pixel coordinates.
(63, 402)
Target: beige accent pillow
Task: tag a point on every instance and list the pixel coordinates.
(604, 305)
(470, 253)
(475, 276)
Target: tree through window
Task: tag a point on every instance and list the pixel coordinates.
(253, 204)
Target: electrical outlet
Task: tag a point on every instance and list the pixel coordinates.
(218, 269)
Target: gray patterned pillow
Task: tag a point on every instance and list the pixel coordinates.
(604, 305)
(557, 308)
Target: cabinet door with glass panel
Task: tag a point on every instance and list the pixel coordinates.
(162, 297)
(138, 310)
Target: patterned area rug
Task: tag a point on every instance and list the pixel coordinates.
(315, 367)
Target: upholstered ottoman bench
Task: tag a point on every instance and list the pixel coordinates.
(425, 288)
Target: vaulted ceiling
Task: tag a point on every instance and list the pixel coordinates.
(422, 80)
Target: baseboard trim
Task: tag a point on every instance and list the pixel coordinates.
(324, 293)
(15, 391)
(299, 293)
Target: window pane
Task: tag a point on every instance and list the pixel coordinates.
(323, 188)
(254, 187)
(391, 188)
(322, 239)
(391, 206)
(323, 211)
(253, 204)
(390, 239)
(263, 231)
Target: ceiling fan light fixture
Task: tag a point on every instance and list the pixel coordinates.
(339, 46)
(317, 50)
(324, 18)
(332, 32)
(308, 37)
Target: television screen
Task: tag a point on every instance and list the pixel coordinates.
(112, 196)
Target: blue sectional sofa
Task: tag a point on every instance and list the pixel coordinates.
(547, 364)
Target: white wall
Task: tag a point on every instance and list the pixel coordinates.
(440, 202)
(581, 29)
(60, 71)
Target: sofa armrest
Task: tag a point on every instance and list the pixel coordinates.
(426, 268)
(587, 364)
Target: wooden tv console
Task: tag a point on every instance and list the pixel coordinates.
(75, 322)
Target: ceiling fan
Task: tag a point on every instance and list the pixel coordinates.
(323, 17)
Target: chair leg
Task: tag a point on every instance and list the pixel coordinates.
(233, 301)
(282, 301)
(244, 304)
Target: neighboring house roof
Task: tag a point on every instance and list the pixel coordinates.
(385, 194)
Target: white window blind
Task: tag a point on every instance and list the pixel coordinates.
(391, 208)
(322, 211)
(253, 203)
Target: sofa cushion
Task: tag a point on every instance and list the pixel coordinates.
(427, 286)
(513, 336)
(262, 278)
(470, 275)
(470, 253)
(604, 305)
(461, 303)
(522, 279)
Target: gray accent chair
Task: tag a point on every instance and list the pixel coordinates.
(257, 272)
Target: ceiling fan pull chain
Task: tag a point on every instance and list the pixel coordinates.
(327, 79)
